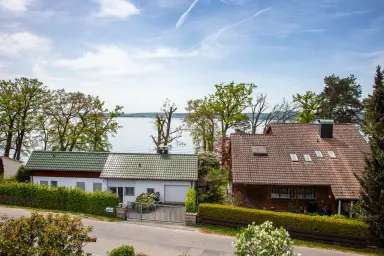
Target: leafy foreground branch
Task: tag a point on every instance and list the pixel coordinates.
(53, 234)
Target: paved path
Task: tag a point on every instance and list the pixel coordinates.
(161, 239)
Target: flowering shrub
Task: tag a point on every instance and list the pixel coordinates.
(263, 240)
(54, 234)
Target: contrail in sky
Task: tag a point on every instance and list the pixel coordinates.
(218, 33)
(184, 16)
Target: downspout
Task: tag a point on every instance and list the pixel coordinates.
(339, 208)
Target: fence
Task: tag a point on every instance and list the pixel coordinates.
(156, 212)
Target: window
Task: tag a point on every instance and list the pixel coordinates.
(281, 193)
(53, 183)
(319, 154)
(129, 191)
(80, 185)
(97, 186)
(306, 193)
(259, 150)
(113, 190)
(150, 190)
(294, 158)
(332, 154)
(307, 158)
(43, 182)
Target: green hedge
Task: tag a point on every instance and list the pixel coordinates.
(287, 220)
(124, 250)
(190, 202)
(61, 198)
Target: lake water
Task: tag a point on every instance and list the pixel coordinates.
(134, 136)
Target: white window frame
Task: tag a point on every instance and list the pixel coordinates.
(319, 154)
(101, 186)
(77, 185)
(151, 189)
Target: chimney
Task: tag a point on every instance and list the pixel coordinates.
(163, 150)
(326, 129)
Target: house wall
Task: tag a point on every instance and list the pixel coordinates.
(142, 185)
(139, 185)
(71, 182)
(259, 196)
(10, 167)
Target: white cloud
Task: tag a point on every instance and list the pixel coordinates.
(117, 8)
(15, 5)
(14, 44)
(183, 17)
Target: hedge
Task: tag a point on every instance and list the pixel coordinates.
(290, 221)
(190, 202)
(60, 198)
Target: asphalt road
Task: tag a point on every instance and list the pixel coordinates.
(160, 239)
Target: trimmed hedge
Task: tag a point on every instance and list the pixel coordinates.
(60, 198)
(287, 220)
(190, 202)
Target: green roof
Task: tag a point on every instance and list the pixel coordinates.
(118, 165)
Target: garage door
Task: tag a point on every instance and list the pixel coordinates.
(175, 193)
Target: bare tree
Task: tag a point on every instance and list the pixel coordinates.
(165, 134)
(258, 107)
(282, 112)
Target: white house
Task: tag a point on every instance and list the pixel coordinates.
(11, 166)
(127, 174)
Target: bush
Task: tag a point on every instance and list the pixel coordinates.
(216, 181)
(23, 175)
(145, 202)
(124, 250)
(263, 240)
(286, 220)
(190, 202)
(54, 234)
(60, 198)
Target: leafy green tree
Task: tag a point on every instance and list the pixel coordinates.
(201, 122)
(206, 161)
(372, 179)
(23, 175)
(308, 105)
(217, 179)
(229, 101)
(340, 99)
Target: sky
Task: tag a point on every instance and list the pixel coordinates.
(137, 53)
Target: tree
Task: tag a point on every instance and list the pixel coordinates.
(165, 134)
(340, 99)
(201, 123)
(282, 112)
(372, 179)
(308, 105)
(207, 161)
(229, 101)
(258, 107)
(216, 181)
(54, 234)
(23, 175)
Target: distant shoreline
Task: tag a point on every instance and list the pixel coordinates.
(175, 115)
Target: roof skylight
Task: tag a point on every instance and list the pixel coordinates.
(332, 154)
(319, 154)
(294, 158)
(307, 158)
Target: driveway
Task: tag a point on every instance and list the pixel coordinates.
(160, 239)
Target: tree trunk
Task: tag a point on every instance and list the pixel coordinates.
(19, 144)
(8, 143)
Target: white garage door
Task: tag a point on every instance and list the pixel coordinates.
(175, 193)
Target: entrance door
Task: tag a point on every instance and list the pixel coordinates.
(119, 191)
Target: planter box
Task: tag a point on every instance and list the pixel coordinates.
(190, 219)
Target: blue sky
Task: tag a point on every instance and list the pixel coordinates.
(137, 53)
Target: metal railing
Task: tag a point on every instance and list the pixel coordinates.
(156, 212)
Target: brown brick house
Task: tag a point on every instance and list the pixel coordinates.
(309, 166)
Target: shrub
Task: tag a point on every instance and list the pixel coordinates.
(60, 198)
(216, 181)
(54, 234)
(263, 240)
(190, 202)
(287, 220)
(149, 198)
(23, 175)
(124, 250)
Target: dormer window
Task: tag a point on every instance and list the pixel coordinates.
(294, 158)
(259, 150)
(332, 154)
(307, 158)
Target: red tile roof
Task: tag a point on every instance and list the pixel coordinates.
(277, 168)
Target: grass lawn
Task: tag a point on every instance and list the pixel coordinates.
(232, 232)
(90, 216)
